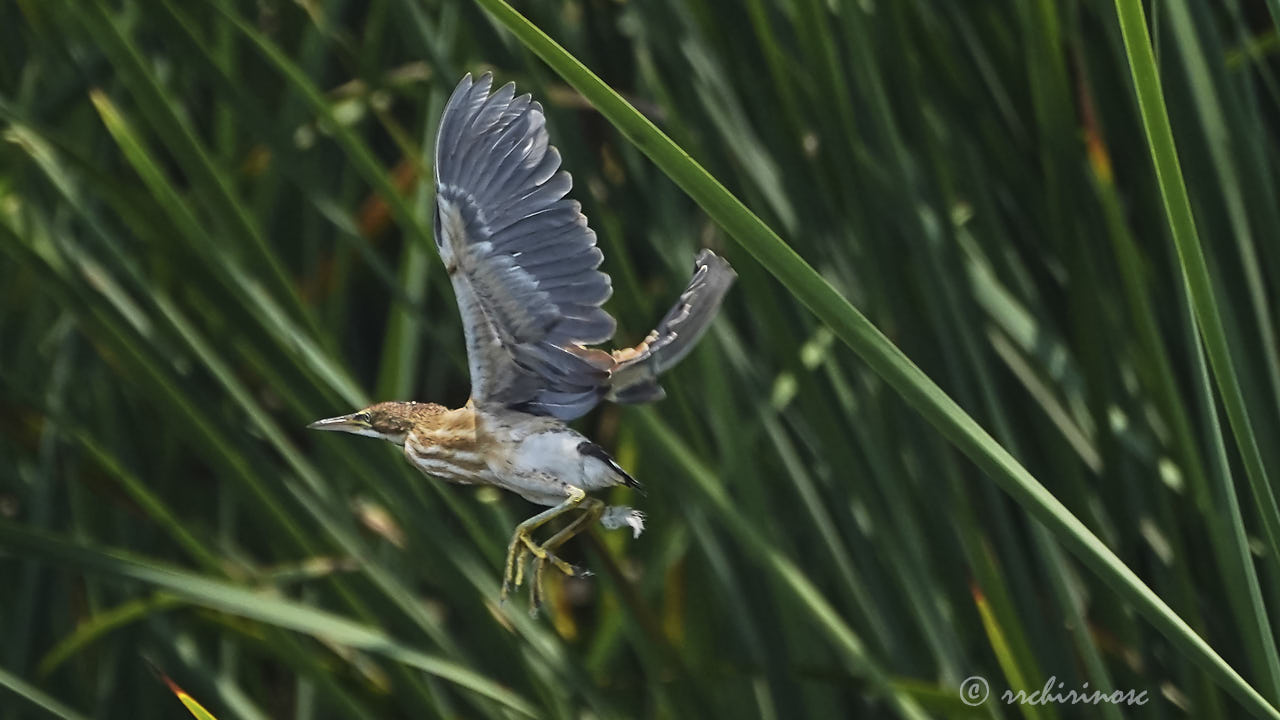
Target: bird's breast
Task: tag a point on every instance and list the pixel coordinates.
(450, 453)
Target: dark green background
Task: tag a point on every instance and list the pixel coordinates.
(212, 231)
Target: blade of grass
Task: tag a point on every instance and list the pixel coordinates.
(100, 624)
(271, 609)
(1005, 655)
(1214, 108)
(1238, 570)
(356, 150)
(1253, 619)
(190, 703)
(1173, 190)
(880, 353)
(215, 187)
(1182, 226)
(36, 696)
(805, 592)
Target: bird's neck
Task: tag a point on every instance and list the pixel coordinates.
(449, 427)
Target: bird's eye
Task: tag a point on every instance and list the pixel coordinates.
(362, 417)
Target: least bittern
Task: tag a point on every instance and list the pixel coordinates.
(523, 264)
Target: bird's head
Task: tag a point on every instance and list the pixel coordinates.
(390, 421)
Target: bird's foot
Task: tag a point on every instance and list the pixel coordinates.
(522, 546)
(539, 568)
(544, 556)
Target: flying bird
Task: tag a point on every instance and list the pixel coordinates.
(524, 268)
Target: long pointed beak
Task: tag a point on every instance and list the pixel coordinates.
(342, 423)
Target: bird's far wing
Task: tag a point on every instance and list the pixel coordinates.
(635, 375)
(521, 258)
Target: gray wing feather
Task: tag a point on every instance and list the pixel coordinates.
(522, 259)
(698, 305)
(634, 378)
(524, 267)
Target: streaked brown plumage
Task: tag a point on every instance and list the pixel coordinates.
(523, 264)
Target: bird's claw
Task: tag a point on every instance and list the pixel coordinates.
(513, 575)
(544, 556)
(539, 567)
(522, 546)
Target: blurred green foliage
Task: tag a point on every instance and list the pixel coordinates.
(212, 231)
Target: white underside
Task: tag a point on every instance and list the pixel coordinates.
(544, 466)
(536, 458)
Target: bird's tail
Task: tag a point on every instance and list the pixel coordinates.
(635, 376)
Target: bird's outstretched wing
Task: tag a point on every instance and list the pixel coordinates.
(634, 378)
(523, 264)
(520, 255)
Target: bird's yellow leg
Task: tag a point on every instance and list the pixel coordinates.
(522, 543)
(591, 509)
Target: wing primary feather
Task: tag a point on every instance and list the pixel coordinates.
(466, 99)
(557, 267)
(472, 135)
(549, 215)
(484, 121)
(507, 180)
(548, 193)
(447, 133)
